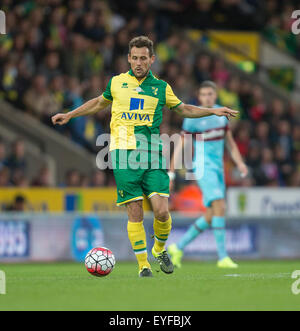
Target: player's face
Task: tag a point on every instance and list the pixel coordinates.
(207, 97)
(140, 61)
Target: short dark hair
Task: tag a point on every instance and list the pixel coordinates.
(208, 83)
(142, 41)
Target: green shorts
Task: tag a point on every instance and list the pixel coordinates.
(138, 173)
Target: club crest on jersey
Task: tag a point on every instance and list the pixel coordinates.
(124, 85)
(154, 90)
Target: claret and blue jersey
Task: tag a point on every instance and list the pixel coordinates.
(212, 130)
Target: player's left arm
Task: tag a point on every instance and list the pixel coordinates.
(192, 111)
(235, 153)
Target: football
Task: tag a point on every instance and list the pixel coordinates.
(99, 261)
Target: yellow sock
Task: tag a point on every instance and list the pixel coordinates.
(137, 237)
(161, 233)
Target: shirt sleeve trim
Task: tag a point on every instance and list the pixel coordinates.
(176, 105)
(106, 98)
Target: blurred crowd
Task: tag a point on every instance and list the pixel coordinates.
(58, 54)
(14, 170)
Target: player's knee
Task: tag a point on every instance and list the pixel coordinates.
(222, 211)
(135, 211)
(219, 208)
(162, 214)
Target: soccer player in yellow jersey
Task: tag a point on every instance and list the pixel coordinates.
(137, 99)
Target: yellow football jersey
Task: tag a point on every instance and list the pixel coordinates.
(136, 107)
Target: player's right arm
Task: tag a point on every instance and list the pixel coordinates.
(177, 151)
(90, 107)
(235, 154)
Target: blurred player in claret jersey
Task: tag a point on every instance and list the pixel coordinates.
(215, 132)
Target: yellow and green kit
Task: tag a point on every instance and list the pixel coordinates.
(136, 149)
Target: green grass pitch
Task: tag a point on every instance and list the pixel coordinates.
(263, 285)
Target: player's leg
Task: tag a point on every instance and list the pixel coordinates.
(162, 226)
(207, 184)
(218, 226)
(156, 187)
(201, 224)
(137, 235)
(130, 194)
(162, 222)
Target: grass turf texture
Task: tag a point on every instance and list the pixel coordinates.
(263, 285)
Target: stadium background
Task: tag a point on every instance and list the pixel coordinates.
(55, 203)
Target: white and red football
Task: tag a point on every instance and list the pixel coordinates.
(100, 261)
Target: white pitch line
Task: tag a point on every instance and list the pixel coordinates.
(262, 276)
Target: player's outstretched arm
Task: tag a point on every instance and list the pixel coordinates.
(235, 154)
(88, 108)
(195, 112)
